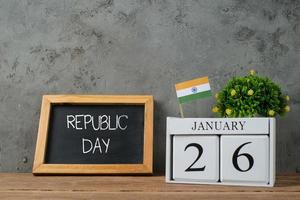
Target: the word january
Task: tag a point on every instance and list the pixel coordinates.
(218, 125)
(101, 122)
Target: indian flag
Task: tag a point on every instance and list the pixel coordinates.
(193, 89)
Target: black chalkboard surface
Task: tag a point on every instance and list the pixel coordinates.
(95, 134)
(104, 134)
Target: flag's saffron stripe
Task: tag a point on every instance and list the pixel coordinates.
(192, 97)
(191, 83)
(188, 91)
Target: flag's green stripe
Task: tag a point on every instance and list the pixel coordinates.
(192, 97)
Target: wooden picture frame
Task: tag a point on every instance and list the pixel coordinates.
(40, 167)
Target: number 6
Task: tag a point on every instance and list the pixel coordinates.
(248, 156)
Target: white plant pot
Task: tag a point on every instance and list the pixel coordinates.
(223, 151)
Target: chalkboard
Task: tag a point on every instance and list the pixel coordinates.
(102, 135)
(95, 135)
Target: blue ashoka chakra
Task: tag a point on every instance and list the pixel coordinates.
(194, 90)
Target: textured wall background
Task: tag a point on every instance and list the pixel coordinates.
(141, 47)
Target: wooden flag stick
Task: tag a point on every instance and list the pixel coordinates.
(181, 110)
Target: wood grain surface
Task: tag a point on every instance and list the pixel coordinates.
(27, 186)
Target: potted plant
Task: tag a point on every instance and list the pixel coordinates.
(251, 96)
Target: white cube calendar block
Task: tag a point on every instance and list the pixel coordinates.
(236, 151)
(245, 158)
(196, 158)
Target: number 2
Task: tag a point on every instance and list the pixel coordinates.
(200, 152)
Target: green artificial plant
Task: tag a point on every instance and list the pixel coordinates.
(251, 96)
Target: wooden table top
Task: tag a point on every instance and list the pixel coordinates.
(27, 186)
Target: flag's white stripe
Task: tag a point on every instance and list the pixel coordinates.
(188, 91)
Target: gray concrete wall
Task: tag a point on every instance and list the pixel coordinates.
(141, 47)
